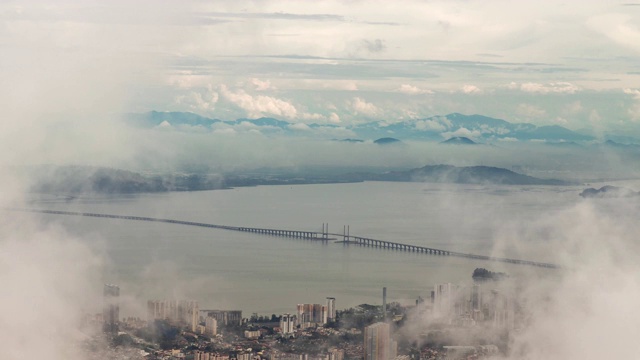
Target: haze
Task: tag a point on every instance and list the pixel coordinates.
(73, 72)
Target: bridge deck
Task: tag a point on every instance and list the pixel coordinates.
(307, 235)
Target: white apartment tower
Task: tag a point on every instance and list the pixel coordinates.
(378, 344)
(311, 314)
(183, 312)
(210, 326)
(331, 309)
(444, 299)
(288, 323)
(111, 308)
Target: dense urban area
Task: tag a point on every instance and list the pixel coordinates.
(456, 322)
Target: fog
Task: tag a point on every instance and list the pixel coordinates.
(176, 151)
(62, 107)
(162, 151)
(584, 310)
(589, 312)
(57, 104)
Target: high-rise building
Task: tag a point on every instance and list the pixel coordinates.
(336, 354)
(111, 308)
(155, 310)
(323, 315)
(162, 310)
(190, 314)
(331, 309)
(182, 312)
(210, 326)
(288, 323)
(311, 314)
(378, 344)
(226, 317)
(201, 355)
(476, 303)
(384, 302)
(502, 309)
(444, 299)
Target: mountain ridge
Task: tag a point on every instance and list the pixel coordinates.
(70, 180)
(434, 128)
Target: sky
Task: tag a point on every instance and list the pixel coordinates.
(574, 64)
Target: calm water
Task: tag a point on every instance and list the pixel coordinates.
(264, 274)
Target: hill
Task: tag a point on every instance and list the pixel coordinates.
(99, 180)
(465, 175)
(608, 191)
(459, 140)
(387, 141)
(72, 180)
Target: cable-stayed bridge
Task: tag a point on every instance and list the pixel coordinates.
(323, 235)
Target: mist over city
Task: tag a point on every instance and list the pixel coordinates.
(327, 180)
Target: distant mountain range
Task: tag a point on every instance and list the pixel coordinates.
(73, 180)
(436, 128)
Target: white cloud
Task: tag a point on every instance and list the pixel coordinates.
(634, 109)
(554, 87)
(197, 101)
(444, 120)
(412, 90)
(243, 127)
(486, 129)
(312, 116)
(164, 125)
(511, 86)
(620, 28)
(261, 85)
(470, 89)
(360, 106)
(560, 120)
(430, 125)
(342, 85)
(633, 92)
(338, 85)
(186, 79)
(462, 132)
(436, 124)
(300, 126)
(330, 132)
(260, 105)
(334, 118)
(530, 111)
(573, 108)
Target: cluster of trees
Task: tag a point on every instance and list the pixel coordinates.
(264, 318)
(160, 332)
(481, 274)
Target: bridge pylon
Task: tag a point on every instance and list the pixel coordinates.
(345, 233)
(325, 231)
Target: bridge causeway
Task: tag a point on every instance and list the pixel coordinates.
(306, 235)
(357, 240)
